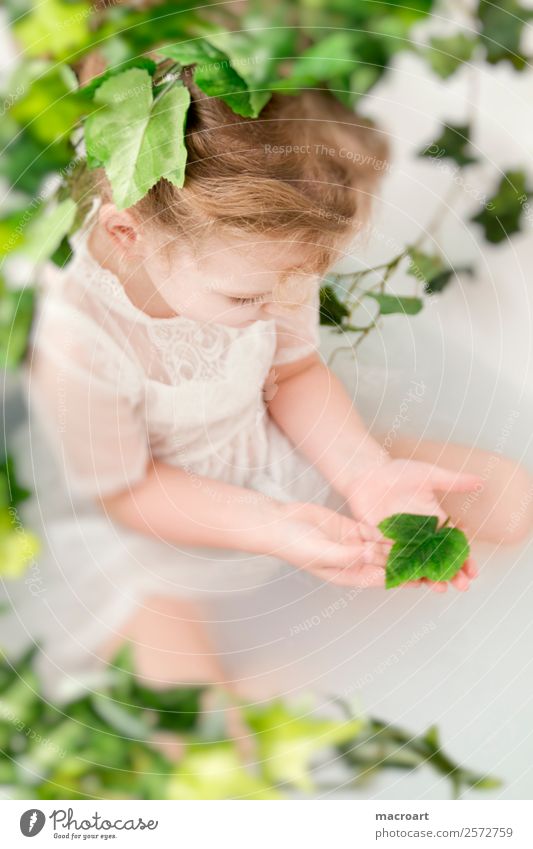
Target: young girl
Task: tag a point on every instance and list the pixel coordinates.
(204, 447)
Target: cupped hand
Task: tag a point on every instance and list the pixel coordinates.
(410, 486)
(332, 546)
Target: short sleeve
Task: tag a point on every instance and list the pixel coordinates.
(88, 397)
(298, 330)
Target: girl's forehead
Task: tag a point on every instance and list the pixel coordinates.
(255, 253)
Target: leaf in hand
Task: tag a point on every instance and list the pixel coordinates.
(421, 549)
(136, 138)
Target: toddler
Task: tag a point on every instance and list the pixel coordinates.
(205, 448)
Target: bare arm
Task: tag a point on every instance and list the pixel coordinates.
(171, 504)
(313, 408)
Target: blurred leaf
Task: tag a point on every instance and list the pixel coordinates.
(11, 492)
(51, 106)
(332, 310)
(62, 254)
(287, 742)
(215, 771)
(256, 52)
(430, 270)
(54, 28)
(16, 314)
(502, 27)
(443, 278)
(18, 548)
(127, 723)
(12, 232)
(501, 216)
(26, 161)
(424, 266)
(45, 234)
(135, 137)
(389, 304)
(453, 143)
(447, 53)
(322, 61)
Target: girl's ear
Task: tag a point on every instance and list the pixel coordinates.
(121, 227)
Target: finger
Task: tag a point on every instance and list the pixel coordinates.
(417, 583)
(439, 586)
(370, 533)
(471, 568)
(453, 481)
(375, 553)
(461, 581)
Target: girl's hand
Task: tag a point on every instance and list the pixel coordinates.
(409, 486)
(332, 546)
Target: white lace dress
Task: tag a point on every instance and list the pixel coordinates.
(109, 386)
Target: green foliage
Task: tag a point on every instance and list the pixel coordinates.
(213, 73)
(138, 138)
(453, 143)
(390, 304)
(101, 744)
(385, 746)
(448, 53)
(54, 27)
(421, 549)
(431, 270)
(44, 234)
(502, 29)
(332, 310)
(18, 547)
(16, 314)
(502, 214)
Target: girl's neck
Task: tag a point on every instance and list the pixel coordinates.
(136, 283)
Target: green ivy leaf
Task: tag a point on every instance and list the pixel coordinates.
(502, 27)
(453, 143)
(136, 138)
(424, 266)
(332, 310)
(389, 304)
(501, 216)
(256, 50)
(16, 314)
(214, 73)
(446, 54)
(421, 549)
(441, 280)
(431, 271)
(141, 62)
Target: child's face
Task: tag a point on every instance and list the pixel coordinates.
(231, 280)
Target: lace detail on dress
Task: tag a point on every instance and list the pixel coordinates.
(198, 352)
